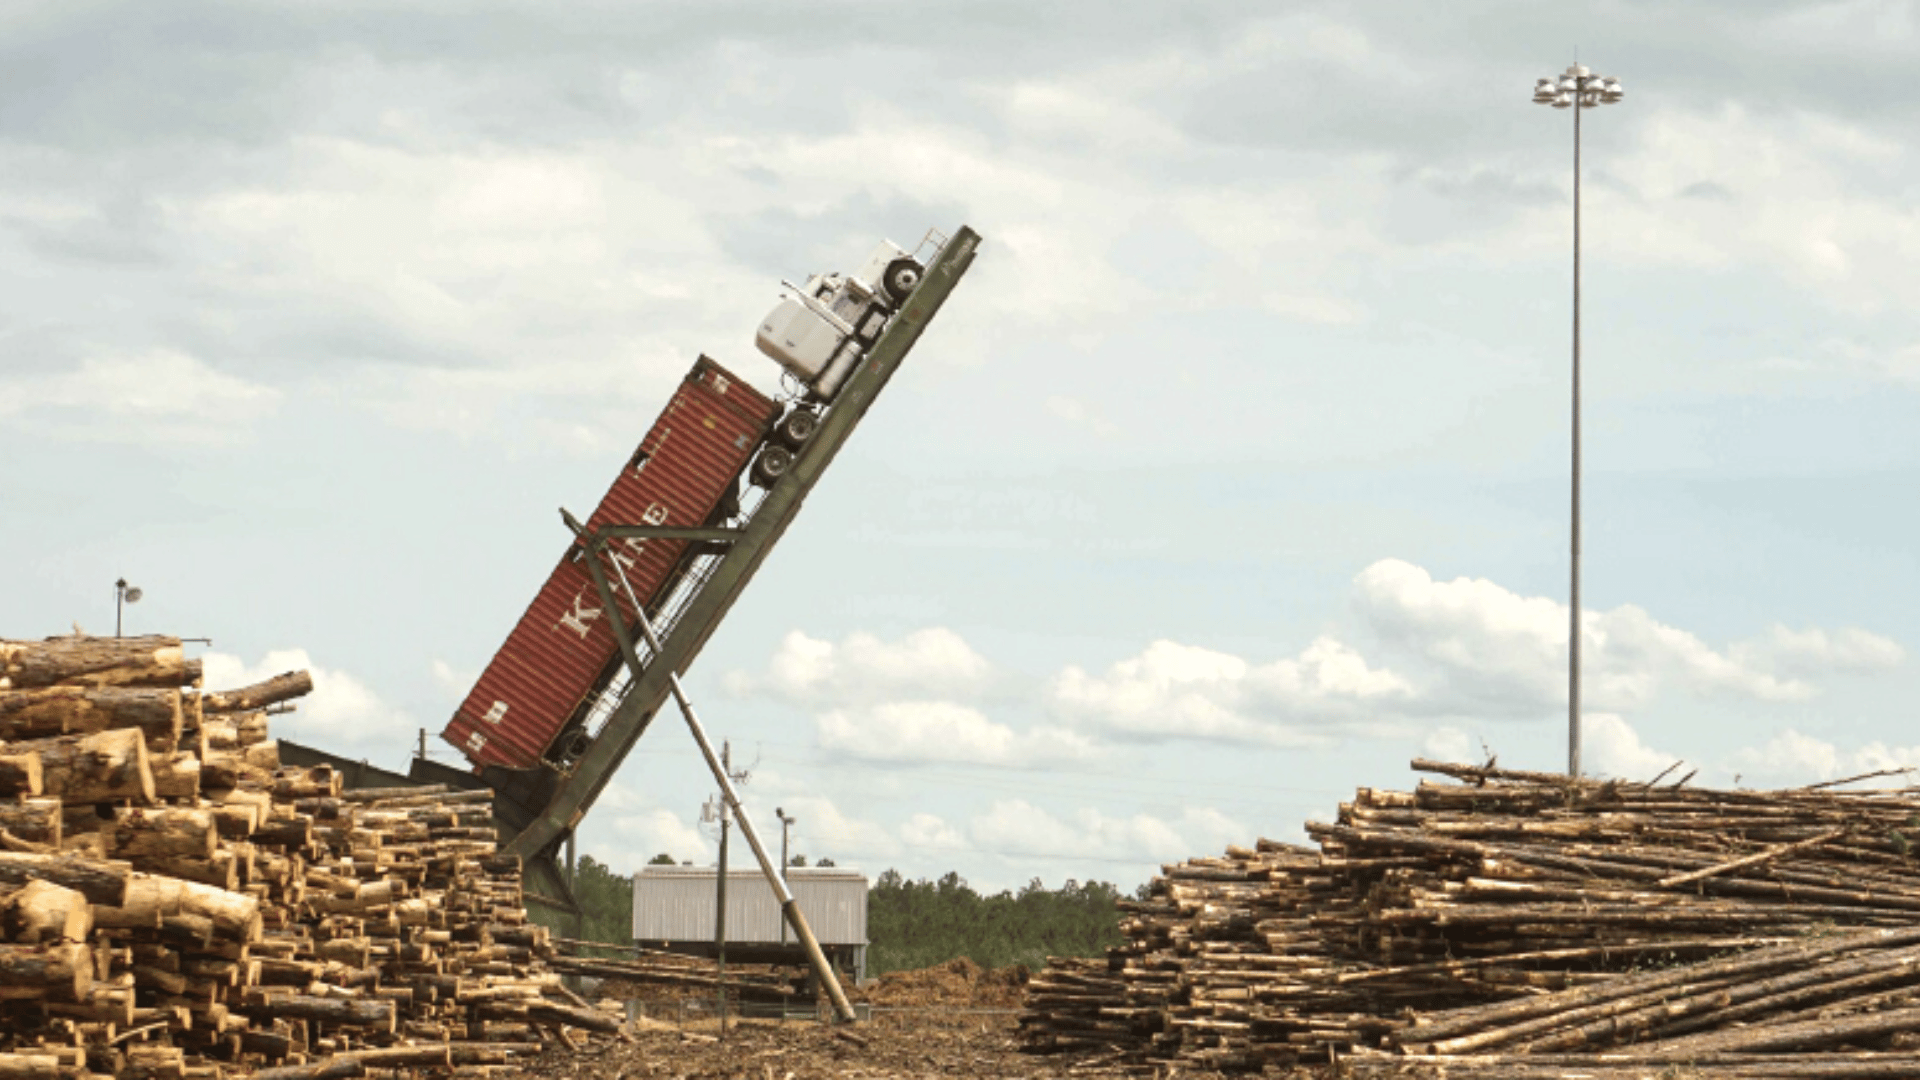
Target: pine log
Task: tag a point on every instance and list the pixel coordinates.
(350, 1012)
(177, 775)
(153, 901)
(21, 773)
(37, 821)
(95, 661)
(29, 1066)
(162, 833)
(100, 882)
(100, 767)
(282, 687)
(44, 913)
(58, 972)
(80, 710)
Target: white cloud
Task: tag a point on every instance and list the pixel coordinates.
(930, 663)
(1502, 651)
(942, 732)
(1017, 827)
(455, 684)
(342, 715)
(1791, 758)
(160, 396)
(929, 831)
(1449, 743)
(647, 833)
(1173, 691)
(1816, 651)
(1611, 747)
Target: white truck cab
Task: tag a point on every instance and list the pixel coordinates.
(823, 328)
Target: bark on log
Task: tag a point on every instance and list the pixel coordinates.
(37, 821)
(101, 767)
(80, 710)
(162, 833)
(42, 913)
(21, 773)
(95, 661)
(282, 687)
(100, 882)
(62, 972)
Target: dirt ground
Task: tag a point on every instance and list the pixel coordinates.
(950, 1021)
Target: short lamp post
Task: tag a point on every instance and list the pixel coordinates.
(1578, 89)
(123, 594)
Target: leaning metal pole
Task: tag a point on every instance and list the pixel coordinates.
(1573, 629)
(789, 907)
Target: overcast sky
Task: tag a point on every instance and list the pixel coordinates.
(1232, 477)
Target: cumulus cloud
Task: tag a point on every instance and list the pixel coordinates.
(1790, 758)
(646, 833)
(1172, 691)
(454, 683)
(1502, 652)
(936, 732)
(931, 663)
(1611, 747)
(343, 715)
(1018, 827)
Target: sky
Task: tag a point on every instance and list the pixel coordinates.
(1233, 477)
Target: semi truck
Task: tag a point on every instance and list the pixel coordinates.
(685, 524)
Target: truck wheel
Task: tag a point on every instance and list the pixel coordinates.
(574, 744)
(901, 278)
(795, 428)
(771, 465)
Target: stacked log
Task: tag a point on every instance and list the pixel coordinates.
(1503, 921)
(177, 905)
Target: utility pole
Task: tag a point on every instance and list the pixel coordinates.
(785, 824)
(720, 898)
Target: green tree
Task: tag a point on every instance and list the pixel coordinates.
(663, 859)
(915, 924)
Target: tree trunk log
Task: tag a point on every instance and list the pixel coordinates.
(42, 913)
(95, 661)
(162, 833)
(80, 710)
(100, 882)
(62, 972)
(36, 821)
(280, 688)
(101, 767)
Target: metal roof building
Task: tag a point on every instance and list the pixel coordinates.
(673, 908)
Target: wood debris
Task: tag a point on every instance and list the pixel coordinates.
(1514, 924)
(176, 905)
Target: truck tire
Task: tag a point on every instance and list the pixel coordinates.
(901, 278)
(771, 465)
(573, 744)
(795, 428)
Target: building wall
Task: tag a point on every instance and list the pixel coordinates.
(676, 903)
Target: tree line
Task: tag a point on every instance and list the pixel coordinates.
(911, 923)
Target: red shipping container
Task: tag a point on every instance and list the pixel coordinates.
(563, 649)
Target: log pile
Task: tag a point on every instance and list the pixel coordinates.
(176, 905)
(1502, 923)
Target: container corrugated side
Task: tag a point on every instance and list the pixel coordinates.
(562, 649)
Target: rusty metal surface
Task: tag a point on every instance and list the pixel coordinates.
(561, 651)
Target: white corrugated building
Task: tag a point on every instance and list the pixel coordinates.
(673, 909)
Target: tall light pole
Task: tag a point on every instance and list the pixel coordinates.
(1577, 89)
